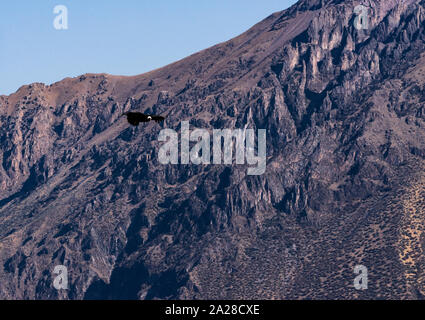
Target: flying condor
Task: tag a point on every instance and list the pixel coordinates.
(134, 118)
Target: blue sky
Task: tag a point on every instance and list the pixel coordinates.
(124, 37)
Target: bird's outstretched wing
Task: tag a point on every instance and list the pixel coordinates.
(133, 122)
(158, 118)
(134, 118)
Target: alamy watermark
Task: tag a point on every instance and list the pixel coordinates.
(361, 21)
(361, 281)
(200, 153)
(61, 280)
(61, 20)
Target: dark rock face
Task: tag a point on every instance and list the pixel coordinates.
(344, 184)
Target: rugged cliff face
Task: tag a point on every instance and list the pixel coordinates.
(344, 184)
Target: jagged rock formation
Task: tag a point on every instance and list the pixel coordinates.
(345, 119)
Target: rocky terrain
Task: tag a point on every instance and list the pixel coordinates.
(344, 184)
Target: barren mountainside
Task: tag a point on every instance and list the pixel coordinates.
(344, 184)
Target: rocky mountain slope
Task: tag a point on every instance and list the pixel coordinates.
(344, 184)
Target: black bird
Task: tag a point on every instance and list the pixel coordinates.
(134, 118)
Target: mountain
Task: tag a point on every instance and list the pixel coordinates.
(344, 184)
